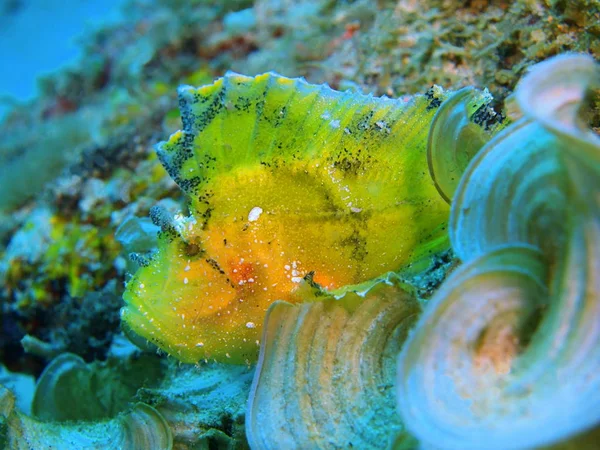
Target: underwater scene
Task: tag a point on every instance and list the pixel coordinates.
(299, 224)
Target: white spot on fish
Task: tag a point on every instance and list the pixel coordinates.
(383, 126)
(254, 214)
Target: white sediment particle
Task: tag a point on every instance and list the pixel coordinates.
(250, 325)
(185, 280)
(334, 124)
(200, 344)
(179, 222)
(254, 214)
(296, 279)
(326, 115)
(355, 209)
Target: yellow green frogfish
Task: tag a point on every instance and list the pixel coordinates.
(293, 188)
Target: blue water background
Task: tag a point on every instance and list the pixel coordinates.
(40, 36)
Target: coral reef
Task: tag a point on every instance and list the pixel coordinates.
(491, 358)
(77, 164)
(135, 401)
(21, 385)
(141, 427)
(204, 405)
(104, 113)
(521, 368)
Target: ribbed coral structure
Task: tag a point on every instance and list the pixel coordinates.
(507, 354)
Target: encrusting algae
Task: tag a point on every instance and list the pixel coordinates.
(296, 191)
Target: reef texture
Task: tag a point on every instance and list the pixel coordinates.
(506, 353)
(141, 427)
(513, 329)
(325, 376)
(531, 342)
(132, 401)
(88, 137)
(78, 163)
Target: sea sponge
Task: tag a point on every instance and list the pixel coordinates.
(295, 191)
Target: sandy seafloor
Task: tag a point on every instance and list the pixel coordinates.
(88, 87)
